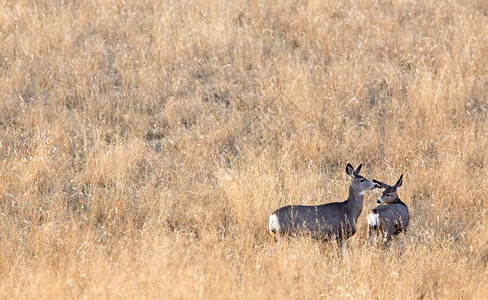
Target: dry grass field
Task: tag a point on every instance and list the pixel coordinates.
(143, 145)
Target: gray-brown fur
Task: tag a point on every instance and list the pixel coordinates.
(324, 222)
(390, 218)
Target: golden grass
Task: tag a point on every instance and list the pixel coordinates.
(144, 144)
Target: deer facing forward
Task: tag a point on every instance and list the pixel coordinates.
(390, 217)
(327, 221)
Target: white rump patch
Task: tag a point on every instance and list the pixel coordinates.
(274, 224)
(373, 219)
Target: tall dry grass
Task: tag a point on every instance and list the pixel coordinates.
(143, 145)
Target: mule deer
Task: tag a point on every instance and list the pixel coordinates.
(389, 219)
(324, 222)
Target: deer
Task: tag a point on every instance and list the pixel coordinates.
(335, 220)
(391, 217)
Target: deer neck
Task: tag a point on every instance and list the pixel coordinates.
(354, 202)
(397, 200)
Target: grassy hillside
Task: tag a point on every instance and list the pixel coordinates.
(144, 144)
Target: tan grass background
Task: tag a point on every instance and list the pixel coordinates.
(143, 145)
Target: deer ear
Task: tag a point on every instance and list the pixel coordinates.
(358, 170)
(350, 170)
(381, 184)
(399, 182)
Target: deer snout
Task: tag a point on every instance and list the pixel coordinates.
(378, 201)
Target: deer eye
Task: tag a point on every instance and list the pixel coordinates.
(362, 180)
(388, 195)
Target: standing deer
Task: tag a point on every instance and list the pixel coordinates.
(391, 218)
(324, 222)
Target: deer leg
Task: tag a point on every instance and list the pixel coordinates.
(401, 240)
(401, 245)
(276, 237)
(343, 246)
(371, 235)
(387, 237)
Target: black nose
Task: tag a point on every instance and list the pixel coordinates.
(378, 201)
